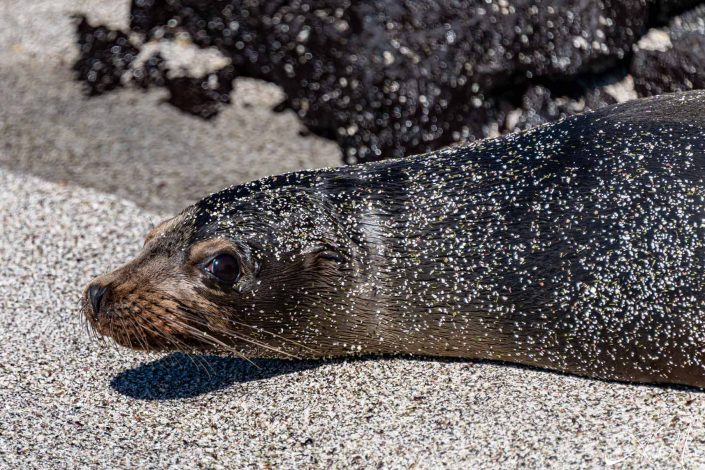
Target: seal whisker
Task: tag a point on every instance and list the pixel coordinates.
(250, 340)
(149, 325)
(176, 342)
(192, 311)
(111, 334)
(210, 339)
(139, 332)
(263, 330)
(119, 336)
(253, 341)
(260, 329)
(195, 319)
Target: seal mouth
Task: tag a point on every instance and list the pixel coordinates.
(166, 326)
(133, 333)
(131, 326)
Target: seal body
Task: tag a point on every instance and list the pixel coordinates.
(577, 246)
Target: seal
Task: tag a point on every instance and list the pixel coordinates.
(577, 246)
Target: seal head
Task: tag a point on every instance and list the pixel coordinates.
(245, 270)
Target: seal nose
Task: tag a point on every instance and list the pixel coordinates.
(96, 293)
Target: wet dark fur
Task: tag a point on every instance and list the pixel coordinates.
(578, 246)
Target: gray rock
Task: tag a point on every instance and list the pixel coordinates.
(389, 79)
(672, 59)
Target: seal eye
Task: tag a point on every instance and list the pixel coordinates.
(225, 267)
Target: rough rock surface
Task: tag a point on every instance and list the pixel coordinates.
(663, 10)
(672, 60)
(105, 55)
(389, 79)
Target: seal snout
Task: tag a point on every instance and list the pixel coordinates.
(96, 294)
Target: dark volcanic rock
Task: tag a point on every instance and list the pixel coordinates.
(540, 105)
(663, 10)
(105, 61)
(546, 103)
(387, 79)
(153, 72)
(203, 96)
(392, 78)
(677, 61)
(104, 56)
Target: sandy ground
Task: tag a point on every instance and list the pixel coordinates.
(130, 143)
(80, 183)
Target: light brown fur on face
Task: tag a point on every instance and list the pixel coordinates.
(162, 227)
(136, 309)
(165, 299)
(151, 303)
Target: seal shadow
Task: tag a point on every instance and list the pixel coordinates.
(180, 375)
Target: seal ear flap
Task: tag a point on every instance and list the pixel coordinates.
(325, 252)
(160, 228)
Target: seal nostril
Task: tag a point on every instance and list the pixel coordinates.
(95, 294)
